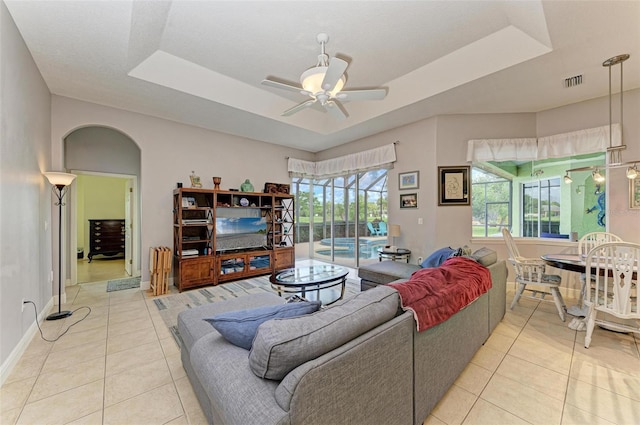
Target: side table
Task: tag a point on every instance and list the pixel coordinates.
(400, 254)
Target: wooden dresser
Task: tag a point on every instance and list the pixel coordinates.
(106, 237)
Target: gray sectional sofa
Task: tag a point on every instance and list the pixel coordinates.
(359, 361)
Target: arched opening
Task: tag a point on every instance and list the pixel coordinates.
(107, 163)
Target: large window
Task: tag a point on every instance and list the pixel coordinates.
(490, 203)
(341, 216)
(531, 199)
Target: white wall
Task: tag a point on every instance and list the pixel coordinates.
(169, 152)
(25, 196)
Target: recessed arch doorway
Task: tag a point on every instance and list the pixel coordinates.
(107, 163)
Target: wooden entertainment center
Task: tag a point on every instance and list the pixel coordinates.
(220, 235)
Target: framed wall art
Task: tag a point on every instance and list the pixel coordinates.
(409, 200)
(454, 187)
(634, 193)
(410, 180)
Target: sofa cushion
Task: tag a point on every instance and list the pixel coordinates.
(282, 345)
(239, 327)
(485, 256)
(437, 257)
(387, 271)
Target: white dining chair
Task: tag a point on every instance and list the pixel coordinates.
(586, 244)
(532, 272)
(614, 267)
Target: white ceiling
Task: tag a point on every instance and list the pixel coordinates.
(201, 62)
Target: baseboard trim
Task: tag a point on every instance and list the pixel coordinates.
(13, 359)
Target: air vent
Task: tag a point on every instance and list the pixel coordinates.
(573, 81)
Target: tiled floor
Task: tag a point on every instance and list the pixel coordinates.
(122, 366)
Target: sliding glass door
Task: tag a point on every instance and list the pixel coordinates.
(342, 219)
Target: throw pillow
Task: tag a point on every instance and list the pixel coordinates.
(240, 327)
(485, 256)
(438, 257)
(282, 345)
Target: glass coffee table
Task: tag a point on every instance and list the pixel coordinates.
(308, 281)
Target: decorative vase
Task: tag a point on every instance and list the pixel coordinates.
(246, 186)
(216, 183)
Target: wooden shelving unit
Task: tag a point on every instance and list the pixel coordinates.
(207, 249)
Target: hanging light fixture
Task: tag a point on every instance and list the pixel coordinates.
(614, 152)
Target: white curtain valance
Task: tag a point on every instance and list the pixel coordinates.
(382, 157)
(483, 150)
(591, 140)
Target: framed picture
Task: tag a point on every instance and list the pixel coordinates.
(454, 187)
(189, 202)
(409, 200)
(634, 193)
(410, 180)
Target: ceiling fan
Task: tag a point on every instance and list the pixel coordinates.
(323, 83)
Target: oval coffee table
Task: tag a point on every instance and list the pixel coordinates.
(302, 280)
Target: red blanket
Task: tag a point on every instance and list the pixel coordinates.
(435, 294)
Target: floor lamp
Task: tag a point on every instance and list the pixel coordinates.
(59, 184)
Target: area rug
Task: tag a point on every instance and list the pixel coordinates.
(170, 306)
(122, 284)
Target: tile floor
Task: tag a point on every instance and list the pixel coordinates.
(100, 268)
(532, 370)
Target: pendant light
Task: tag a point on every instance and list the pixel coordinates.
(614, 152)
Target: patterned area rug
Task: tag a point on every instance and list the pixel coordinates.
(121, 284)
(171, 305)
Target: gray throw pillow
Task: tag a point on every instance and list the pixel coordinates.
(282, 345)
(485, 256)
(240, 327)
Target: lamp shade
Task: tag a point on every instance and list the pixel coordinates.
(394, 230)
(59, 179)
(312, 78)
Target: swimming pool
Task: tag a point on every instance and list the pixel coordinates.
(345, 247)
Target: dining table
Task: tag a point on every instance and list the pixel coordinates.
(573, 263)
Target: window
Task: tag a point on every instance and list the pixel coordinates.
(531, 199)
(490, 203)
(541, 209)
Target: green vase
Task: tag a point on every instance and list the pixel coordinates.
(246, 186)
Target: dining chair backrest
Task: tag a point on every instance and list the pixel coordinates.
(512, 248)
(594, 239)
(614, 266)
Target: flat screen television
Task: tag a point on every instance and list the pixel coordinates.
(234, 233)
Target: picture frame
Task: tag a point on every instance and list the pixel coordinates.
(634, 193)
(189, 202)
(454, 186)
(277, 188)
(410, 180)
(409, 200)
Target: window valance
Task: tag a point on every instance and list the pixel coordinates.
(382, 157)
(591, 140)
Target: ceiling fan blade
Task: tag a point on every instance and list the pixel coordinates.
(374, 94)
(336, 110)
(336, 68)
(298, 108)
(284, 86)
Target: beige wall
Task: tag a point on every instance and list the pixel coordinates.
(443, 141)
(169, 152)
(26, 226)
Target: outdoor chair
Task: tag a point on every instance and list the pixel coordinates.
(382, 228)
(614, 268)
(372, 230)
(531, 271)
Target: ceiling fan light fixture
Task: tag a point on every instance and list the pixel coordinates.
(312, 78)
